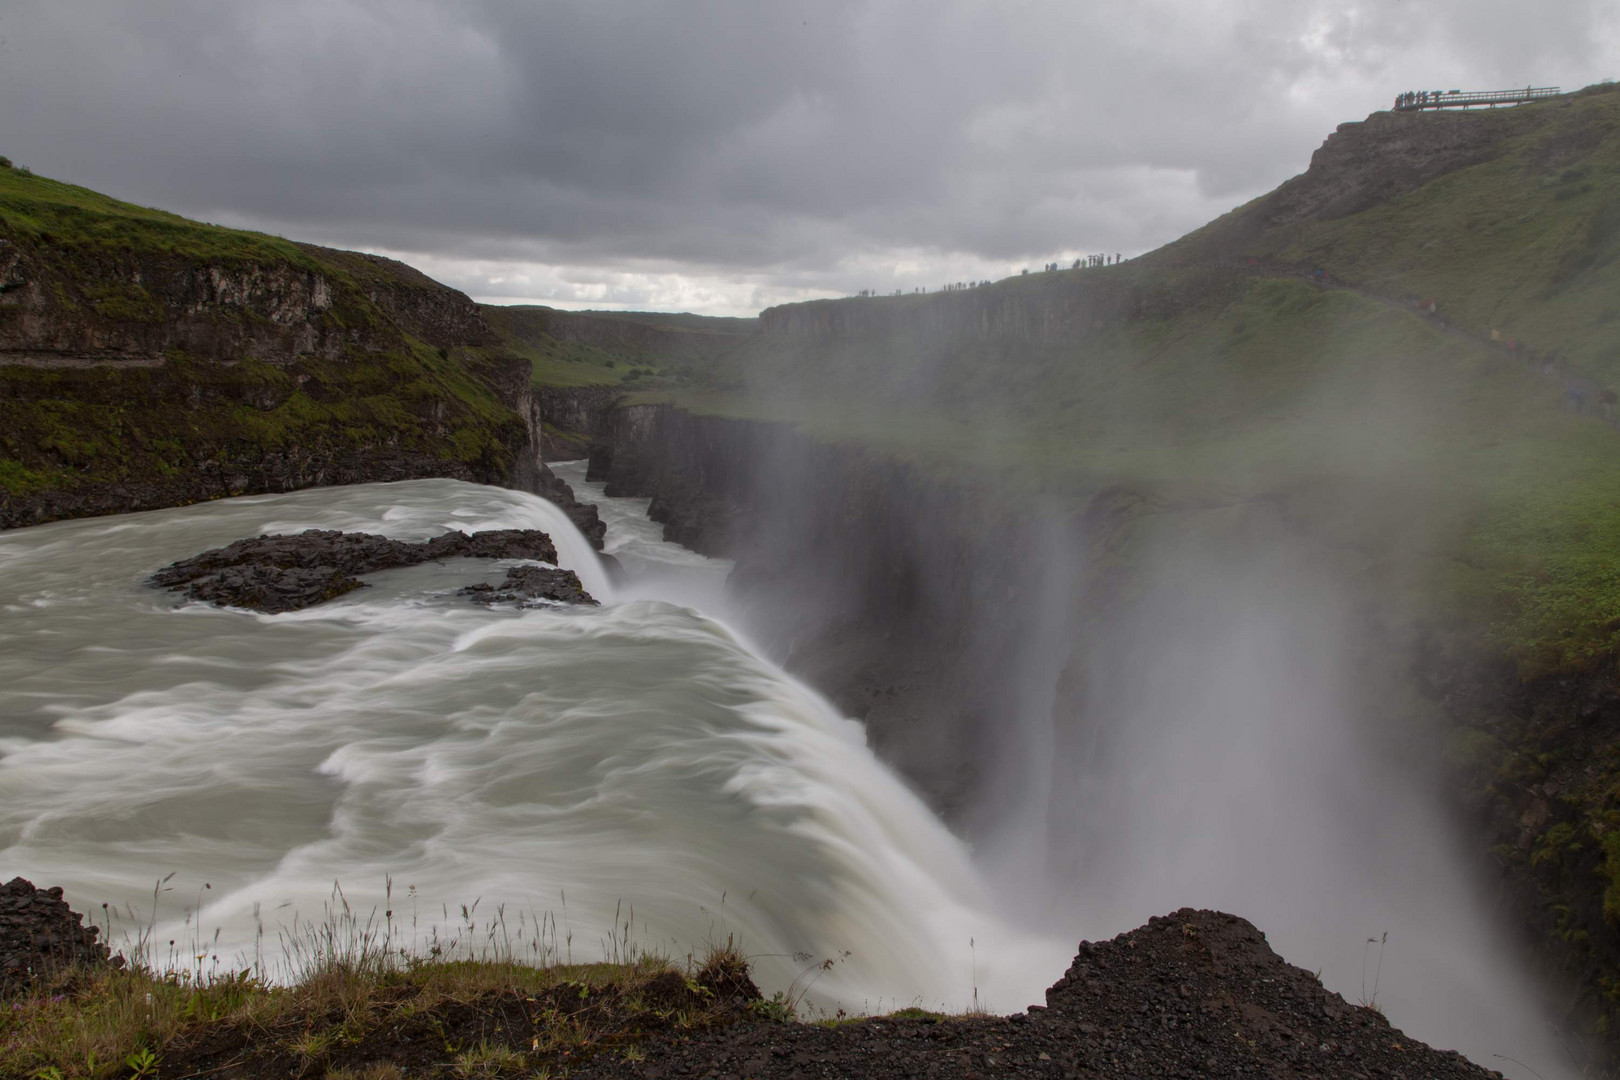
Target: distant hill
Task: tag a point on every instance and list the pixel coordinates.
(634, 349)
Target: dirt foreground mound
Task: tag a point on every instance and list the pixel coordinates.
(1192, 994)
(40, 934)
(1200, 993)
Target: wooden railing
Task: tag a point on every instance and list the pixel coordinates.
(1456, 99)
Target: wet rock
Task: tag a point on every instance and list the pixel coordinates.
(532, 586)
(275, 574)
(40, 934)
(272, 589)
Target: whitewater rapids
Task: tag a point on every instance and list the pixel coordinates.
(558, 768)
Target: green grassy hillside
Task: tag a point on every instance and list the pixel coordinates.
(637, 350)
(553, 361)
(36, 208)
(1216, 367)
(1523, 237)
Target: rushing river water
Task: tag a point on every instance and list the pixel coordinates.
(557, 768)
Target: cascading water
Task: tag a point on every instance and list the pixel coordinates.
(558, 765)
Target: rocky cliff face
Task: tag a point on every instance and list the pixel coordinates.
(1380, 158)
(567, 418)
(131, 309)
(185, 362)
(440, 316)
(72, 307)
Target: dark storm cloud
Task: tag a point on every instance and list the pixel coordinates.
(787, 147)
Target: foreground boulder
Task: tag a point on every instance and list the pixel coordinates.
(275, 574)
(1200, 993)
(40, 934)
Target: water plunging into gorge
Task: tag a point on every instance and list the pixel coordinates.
(565, 766)
(560, 764)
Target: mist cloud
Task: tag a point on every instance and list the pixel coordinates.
(727, 154)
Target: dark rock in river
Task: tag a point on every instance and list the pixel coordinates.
(285, 573)
(272, 589)
(40, 934)
(531, 586)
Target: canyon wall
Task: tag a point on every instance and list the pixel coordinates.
(1037, 309)
(147, 361)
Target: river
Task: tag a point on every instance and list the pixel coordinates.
(537, 783)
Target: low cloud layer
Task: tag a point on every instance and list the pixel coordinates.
(722, 155)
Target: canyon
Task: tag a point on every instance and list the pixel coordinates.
(1287, 473)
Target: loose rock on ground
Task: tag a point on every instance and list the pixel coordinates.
(40, 934)
(1192, 994)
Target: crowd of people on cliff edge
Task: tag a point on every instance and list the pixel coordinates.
(1082, 263)
(1443, 99)
(1417, 99)
(1577, 391)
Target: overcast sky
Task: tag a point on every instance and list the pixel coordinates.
(724, 155)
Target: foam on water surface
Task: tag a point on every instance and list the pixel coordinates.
(564, 763)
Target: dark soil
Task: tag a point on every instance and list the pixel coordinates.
(531, 586)
(285, 573)
(422, 1037)
(1194, 994)
(40, 934)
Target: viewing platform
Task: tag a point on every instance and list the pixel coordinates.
(1413, 100)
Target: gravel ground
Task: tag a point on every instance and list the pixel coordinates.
(1193, 994)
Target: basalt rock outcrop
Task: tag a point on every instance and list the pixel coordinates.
(569, 417)
(40, 934)
(149, 361)
(70, 305)
(532, 586)
(276, 574)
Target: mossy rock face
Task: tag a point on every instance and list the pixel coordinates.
(147, 360)
(104, 439)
